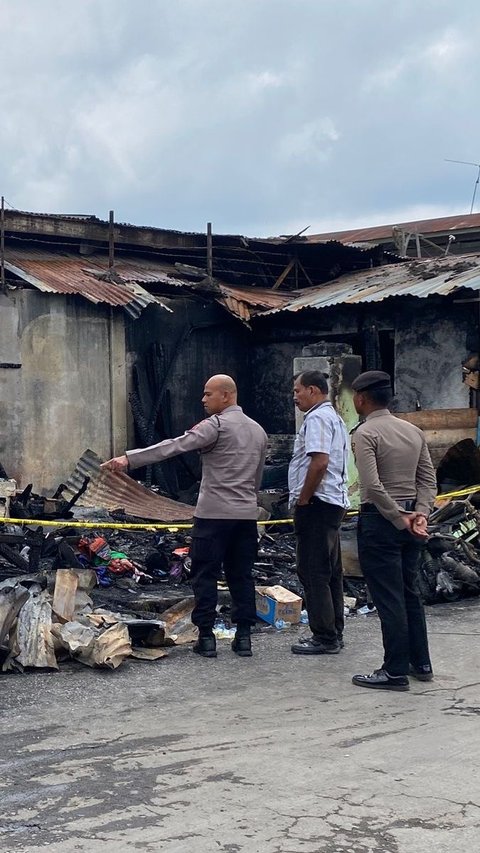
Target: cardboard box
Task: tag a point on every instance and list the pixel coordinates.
(276, 602)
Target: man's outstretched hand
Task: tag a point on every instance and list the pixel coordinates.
(118, 463)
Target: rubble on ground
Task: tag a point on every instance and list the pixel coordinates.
(94, 590)
(40, 627)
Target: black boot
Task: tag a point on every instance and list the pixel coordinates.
(242, 644)
(206, 645)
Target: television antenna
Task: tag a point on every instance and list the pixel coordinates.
(477, 166)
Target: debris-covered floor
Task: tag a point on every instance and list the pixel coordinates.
(269, 754)
(100, 594)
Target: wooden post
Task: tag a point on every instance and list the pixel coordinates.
(475, 392)
(111, 241)
(209, 251)
(2, 245)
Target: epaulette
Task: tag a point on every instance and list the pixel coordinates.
(354, 429)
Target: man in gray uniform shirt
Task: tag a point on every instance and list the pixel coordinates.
(397, 490)
(233, 449)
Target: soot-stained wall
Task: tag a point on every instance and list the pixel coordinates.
(423, 344)
(197, 340)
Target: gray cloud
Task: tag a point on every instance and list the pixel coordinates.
(262, 115)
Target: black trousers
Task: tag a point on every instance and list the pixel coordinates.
(218, 542)
(319, 567)
(389, 561)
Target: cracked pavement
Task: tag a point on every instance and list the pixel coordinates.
(270, 754)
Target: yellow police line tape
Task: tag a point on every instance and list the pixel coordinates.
(173, 526)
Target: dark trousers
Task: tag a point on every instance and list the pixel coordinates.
(319, 567)
(218, 542)
(389, 561)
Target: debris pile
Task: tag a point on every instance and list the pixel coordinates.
(450, 565)
(41, 626)
(98, 594)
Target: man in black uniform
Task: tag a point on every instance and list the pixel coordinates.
(397, 490)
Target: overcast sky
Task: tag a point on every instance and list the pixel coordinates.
(263, 116)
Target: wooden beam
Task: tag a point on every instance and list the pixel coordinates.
(305, 272)
(281, 278)
(434, 419)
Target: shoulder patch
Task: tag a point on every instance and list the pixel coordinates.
(354, 429)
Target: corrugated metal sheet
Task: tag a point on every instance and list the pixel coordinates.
(113, 491)
(55, 272)
(444, 224)
(416, 278)
(245, 301)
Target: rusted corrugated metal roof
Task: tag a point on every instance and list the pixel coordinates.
(442, 225)
(57, 272)
(245, 301)
(60, 272)
(415, 278)
(112, 491)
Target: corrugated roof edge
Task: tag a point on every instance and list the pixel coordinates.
(412, 278)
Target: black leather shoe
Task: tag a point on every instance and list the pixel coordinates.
(381, 680)
(422, 673)
(311, 646)
(206, 646)
(242, 646)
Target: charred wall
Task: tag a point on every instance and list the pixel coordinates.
(420, 342)
(171, 355)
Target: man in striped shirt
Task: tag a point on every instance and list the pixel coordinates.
(317, 480)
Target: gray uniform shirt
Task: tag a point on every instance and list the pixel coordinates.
(393, 464)
(233, 448)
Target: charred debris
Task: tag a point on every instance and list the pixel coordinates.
(94, 589)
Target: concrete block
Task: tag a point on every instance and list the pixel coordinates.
(8, 489)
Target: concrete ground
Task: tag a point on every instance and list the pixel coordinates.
(272, 754)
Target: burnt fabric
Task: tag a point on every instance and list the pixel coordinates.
(231, 544)
(319, 567)
(389, 561)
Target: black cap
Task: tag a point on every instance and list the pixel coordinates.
(372, 380)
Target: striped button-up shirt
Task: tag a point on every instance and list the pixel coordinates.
(322, 431)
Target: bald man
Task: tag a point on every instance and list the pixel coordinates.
(233, 449)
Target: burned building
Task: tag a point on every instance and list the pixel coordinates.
(108, 332)
(417, 320)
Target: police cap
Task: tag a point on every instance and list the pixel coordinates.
(372, 380)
